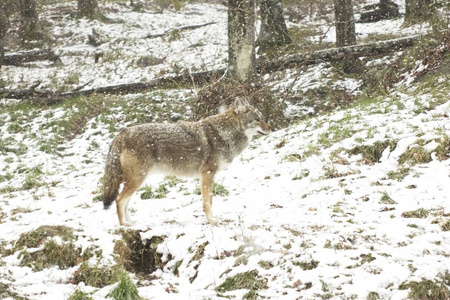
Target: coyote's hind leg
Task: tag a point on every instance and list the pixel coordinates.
(133, 176)
(206, 182)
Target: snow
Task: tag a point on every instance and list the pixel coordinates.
(282, 211)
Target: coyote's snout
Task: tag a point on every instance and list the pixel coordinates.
(181, 149)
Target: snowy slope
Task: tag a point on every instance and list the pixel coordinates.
(274, 222)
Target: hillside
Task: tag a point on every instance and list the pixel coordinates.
(350, 200)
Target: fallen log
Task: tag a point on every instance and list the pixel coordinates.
(333, 54)
(17, 58)
(48, 97)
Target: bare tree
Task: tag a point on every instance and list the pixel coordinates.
(345, 23)
(241, 39)
(273, 32)
(29, 21)
(3, 31)
(87, 9)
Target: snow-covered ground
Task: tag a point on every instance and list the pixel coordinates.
(314, 221)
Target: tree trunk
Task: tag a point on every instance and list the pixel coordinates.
(273, 32)
(3, 31)
(345, 23)
(417, 11)
(241, 39)
(87, 9)
(29, 21)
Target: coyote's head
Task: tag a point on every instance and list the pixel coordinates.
(251, 118)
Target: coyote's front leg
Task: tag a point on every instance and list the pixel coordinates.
(206, 182)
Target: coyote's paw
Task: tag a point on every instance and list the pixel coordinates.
(128, 223)
(214, 221)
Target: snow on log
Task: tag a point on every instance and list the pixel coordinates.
(17, 58)
(368, 49)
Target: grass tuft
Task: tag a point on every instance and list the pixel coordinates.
(250, 280)
(429, 290)
(386, 199)
(98, 276)
(372, 153)
(420, 213)
(149, 193)
(415, 155)
(79, 295)
(52, 254)
(36, 238)
(126, 290)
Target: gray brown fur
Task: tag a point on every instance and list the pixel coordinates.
(182, 149)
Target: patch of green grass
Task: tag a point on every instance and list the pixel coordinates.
(98, 276)
(367, 258)
(218, 190)
(292, 157)
(9, 145)
(37, 237)
(15, 127)
(332, 172)
(420, 213)
(149, 193)
(445, 225)
(8, 189)
(52, 254)
(251, 295)
(266, 265)
(125, 290)
(172, 181)
(335, 133)
(415, 155)
(72, 78)
(400, 174)
(250, 280)
(7, 293)
(307, 265)
(430, 290)
(443, 150)
(386, 199)
(200, 252)
(33, 178)
(304, 173)
(372, 153)
(79, 295)
(310, 151)
(373, 296)
(161, 191)
(6, 177)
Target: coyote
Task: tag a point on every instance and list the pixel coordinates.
(197, 149)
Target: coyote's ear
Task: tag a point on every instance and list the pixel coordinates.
(240, 105)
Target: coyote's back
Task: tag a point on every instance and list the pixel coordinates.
(180, 149)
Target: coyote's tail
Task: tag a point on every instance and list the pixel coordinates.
(113, 175)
